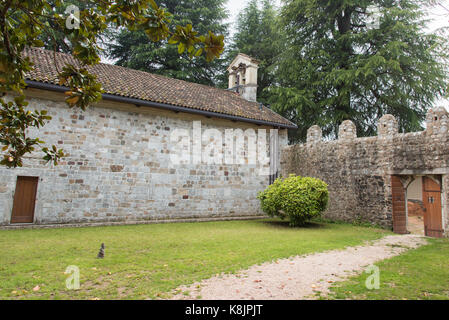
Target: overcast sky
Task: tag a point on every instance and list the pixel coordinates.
(439, 14)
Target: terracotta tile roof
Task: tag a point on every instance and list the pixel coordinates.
(124, 82)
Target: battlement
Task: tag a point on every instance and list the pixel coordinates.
(437, 122)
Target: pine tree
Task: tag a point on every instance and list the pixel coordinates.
(133, 50)
(343, 61)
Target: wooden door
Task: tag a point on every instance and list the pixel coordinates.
(433, 221)
(399, 209)
(24, 200)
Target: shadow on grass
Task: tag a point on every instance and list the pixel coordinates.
(286, 224)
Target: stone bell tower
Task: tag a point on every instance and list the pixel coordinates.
(243, 76)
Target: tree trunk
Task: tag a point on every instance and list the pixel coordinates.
(343, 106)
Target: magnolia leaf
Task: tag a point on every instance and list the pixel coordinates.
(154, 5)
(199, 52)
(181, 48)
(173, 40)
(2, 67)
(72, 101)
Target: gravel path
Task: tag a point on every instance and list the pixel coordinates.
(300, 277)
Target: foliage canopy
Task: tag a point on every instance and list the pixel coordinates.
(22, 23)
(131, 48)
(358, 60)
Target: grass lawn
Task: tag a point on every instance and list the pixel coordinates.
(418, 274)
(148, 261)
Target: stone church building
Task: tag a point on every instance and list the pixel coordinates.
(119, 166)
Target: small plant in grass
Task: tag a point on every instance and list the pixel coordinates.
(299, 199)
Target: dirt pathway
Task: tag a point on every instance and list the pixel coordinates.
(300, 277)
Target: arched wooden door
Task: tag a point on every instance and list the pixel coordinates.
(433, 220)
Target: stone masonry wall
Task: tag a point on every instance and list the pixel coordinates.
(118, 168)
(358, 170)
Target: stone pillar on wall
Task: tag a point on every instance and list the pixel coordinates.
(314, 134)
(446, 205)
(347, 131)
(387, 130)
(437, 121)
(388, 126)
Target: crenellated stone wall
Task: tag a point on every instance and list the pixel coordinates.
(359, 170)
(118, 168)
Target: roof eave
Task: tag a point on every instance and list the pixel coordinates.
(145, 103)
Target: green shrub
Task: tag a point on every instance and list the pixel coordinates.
(297, 198)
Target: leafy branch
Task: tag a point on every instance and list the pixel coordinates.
(21, 24)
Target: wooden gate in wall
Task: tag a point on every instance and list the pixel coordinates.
(433, 218)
